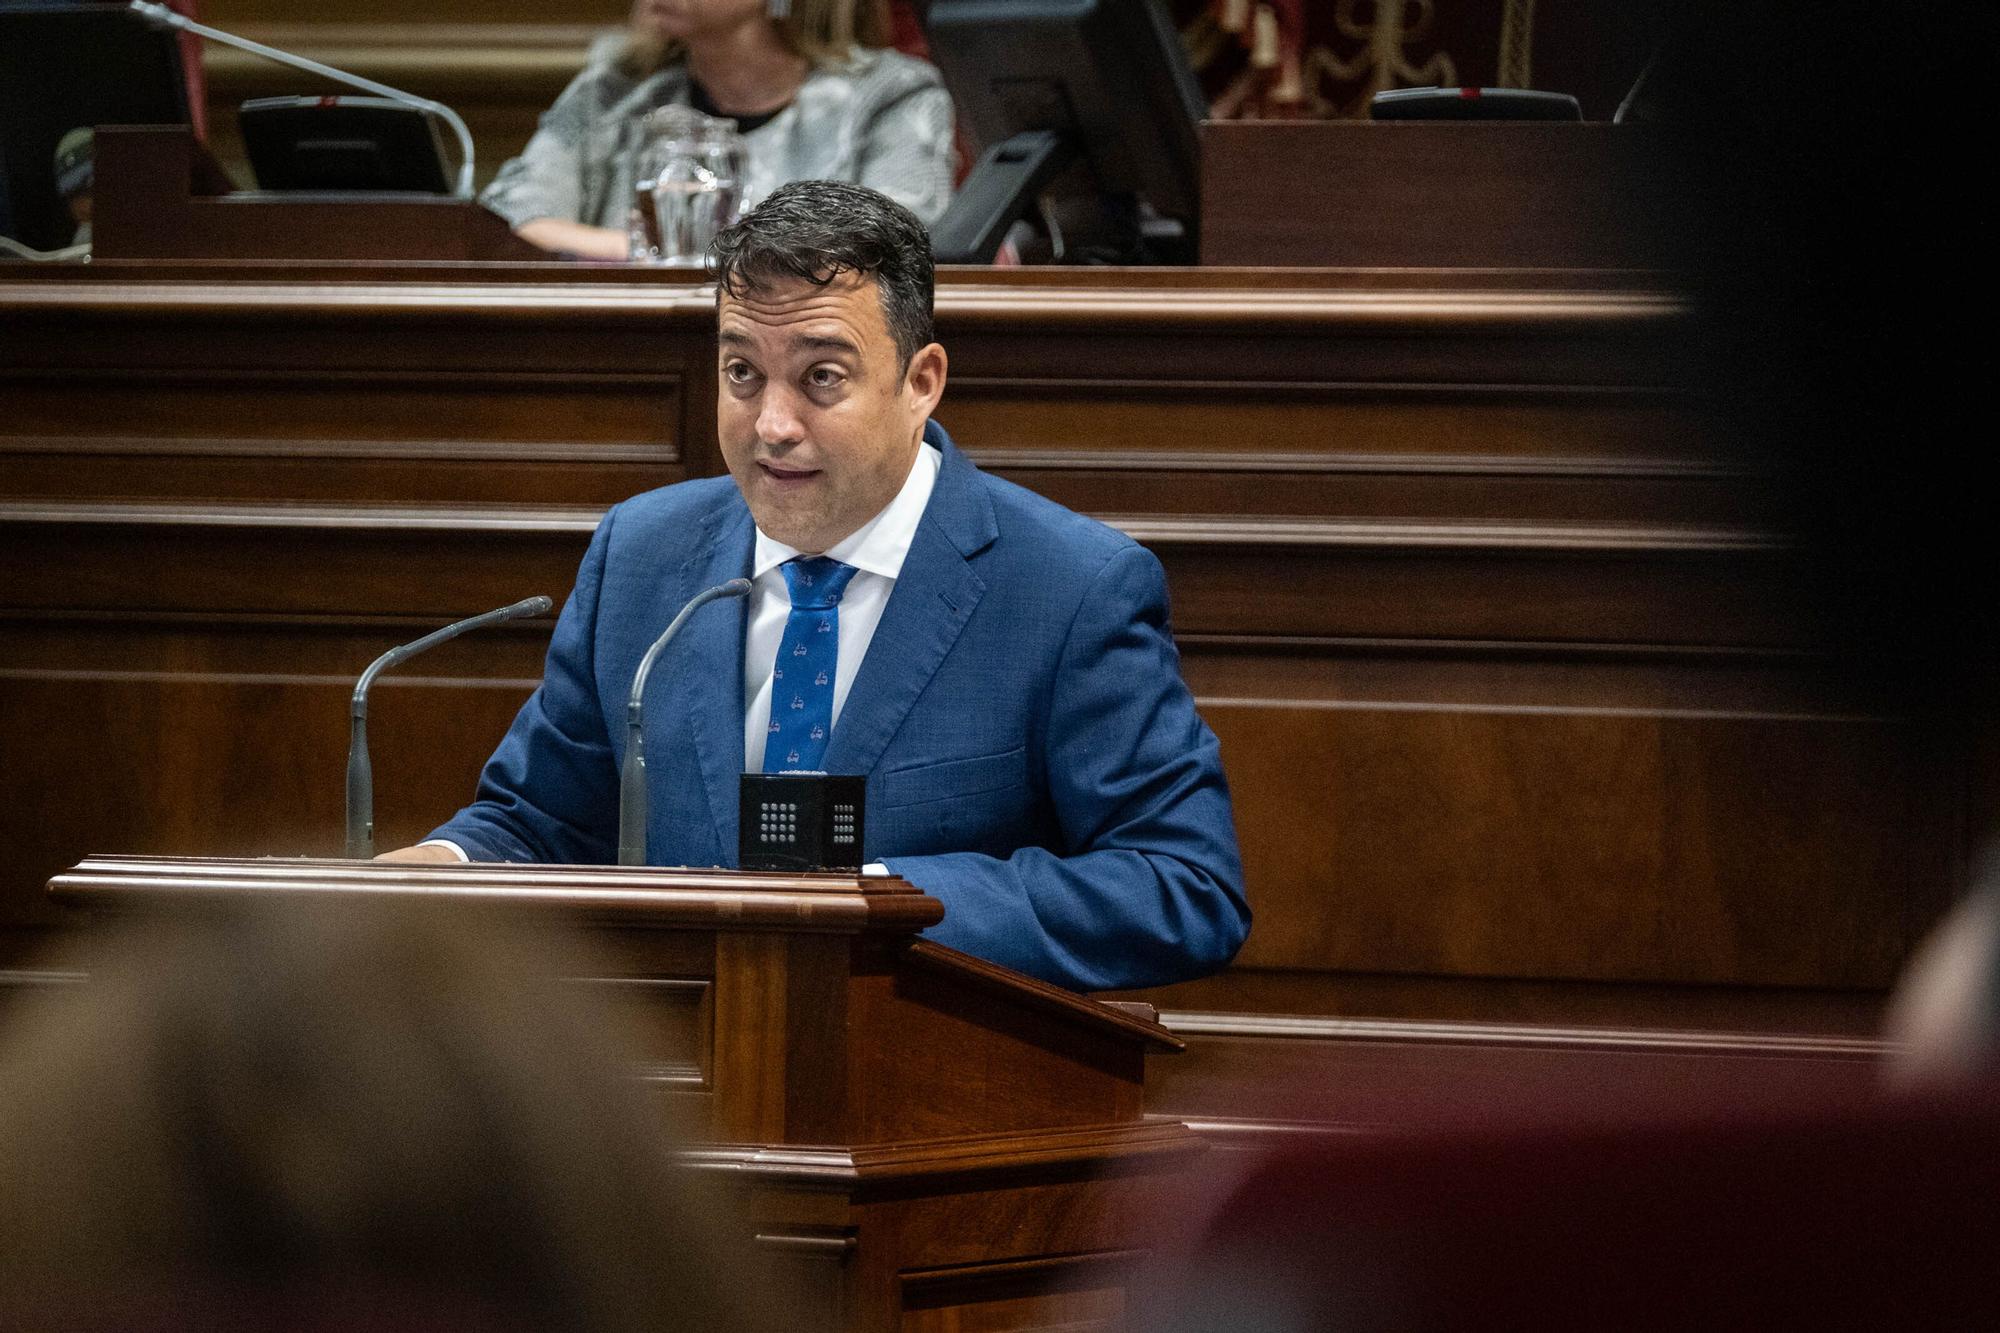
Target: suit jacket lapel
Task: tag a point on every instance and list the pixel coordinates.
(711, 647)
(933, 598)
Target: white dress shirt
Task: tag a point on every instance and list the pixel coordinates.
(876, 550)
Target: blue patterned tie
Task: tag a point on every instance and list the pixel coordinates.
(802, 677)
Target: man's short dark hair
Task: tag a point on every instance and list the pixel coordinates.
(817, 230)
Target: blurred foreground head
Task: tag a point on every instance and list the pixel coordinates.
(1873, 1216)
(352, 1116)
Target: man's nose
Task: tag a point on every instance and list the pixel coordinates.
(778, 419)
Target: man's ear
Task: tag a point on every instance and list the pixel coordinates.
(925, 379)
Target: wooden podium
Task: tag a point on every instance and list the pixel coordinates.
(921, 1139)
(159, 195)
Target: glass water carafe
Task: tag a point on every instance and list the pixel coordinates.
(687, 185)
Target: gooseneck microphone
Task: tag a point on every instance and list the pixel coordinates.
(632, 776)
(161, 16)
(360, 778)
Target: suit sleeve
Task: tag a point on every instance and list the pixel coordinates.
(1147, 886)
(550, 792)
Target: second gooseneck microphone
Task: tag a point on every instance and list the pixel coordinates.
(360, 777)
(160, 16)
(632, 776)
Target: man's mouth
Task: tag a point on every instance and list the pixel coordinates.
(787, 476)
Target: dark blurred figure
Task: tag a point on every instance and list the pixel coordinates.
(1844, 270)
(1849, 276)
(349, 1116)
(1875, 1218)
(1847, 270)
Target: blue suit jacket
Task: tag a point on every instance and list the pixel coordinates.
(1033, 757)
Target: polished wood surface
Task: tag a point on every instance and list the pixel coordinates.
(1253, 1081)
(1498, 617)
(903, 1122)
(1426, 194)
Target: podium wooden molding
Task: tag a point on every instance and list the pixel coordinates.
(920, 1139)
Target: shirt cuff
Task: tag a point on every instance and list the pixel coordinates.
(448, 845)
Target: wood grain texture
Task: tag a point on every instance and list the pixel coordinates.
(1500, 622)
(751, 1050)
(1442, 194)
(1253, 1081)
(1005, 1175)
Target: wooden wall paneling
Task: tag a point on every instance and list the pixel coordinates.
(1246, 991)
(150, 735)
(1361, 451)
(1251, 1081)
(1477, 582)
(1498, 620)
(296, 396)
(1225, 337)
(341, 437)
(292, 560)
(1421, 194)
(1592, 846)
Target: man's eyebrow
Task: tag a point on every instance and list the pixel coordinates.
(828, 342)
(812, 342)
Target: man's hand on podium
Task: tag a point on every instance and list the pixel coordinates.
(426, 852)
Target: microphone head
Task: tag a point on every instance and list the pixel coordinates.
(736, 588)
(537, 606)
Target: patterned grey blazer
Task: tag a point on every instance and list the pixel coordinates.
(882, 119)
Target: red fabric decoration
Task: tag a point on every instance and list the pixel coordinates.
(197, 79)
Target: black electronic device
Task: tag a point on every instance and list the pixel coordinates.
(1044, 84)
(800, 821)
(1472, 104)
(74, 66)
(344, 144)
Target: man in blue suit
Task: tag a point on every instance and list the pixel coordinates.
(1000, 668)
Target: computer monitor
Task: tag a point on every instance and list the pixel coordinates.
(344, 144)
(70, 66)
(1044, 84)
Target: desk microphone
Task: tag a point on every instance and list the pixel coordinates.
(360, 778)
(162, 17)
(632, 777)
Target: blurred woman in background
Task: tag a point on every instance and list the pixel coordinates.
(806, 82)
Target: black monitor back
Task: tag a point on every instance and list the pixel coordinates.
(343, 144)
(66, 66)
(1109, 75)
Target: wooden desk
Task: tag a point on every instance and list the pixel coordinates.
(922, 1140)
(1498, 624)
(1506, 195)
